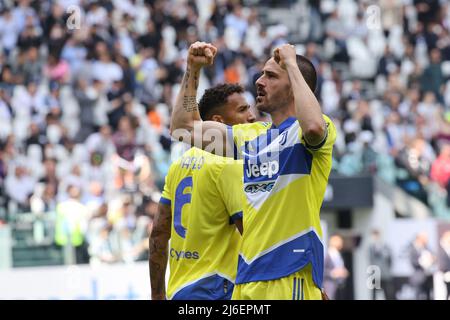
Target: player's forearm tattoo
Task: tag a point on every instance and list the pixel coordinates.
(159, 251)
(189, 100)
(156, 267)
(186, 78)
(196, 76)
(190, 104)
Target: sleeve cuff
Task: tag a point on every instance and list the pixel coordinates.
(320, 145)
(238, 215)
(165, 201)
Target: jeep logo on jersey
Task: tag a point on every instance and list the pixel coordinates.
(265, 169)
(254, 188)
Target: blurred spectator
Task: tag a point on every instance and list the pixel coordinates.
(97, 171)
(30, 37)
(100, 245)
(73, 178)
(381, 257)
(94, 198)
(444, 260)
(335, 272)
(30, 102)
(87, 97)
(35, 136)
(44, 200)
(29, 65)
(7, 82)
(128, 79)
(427, 10)
(432, 78)
(57, 69)
(126, 145)
(391, 14)
(101, 141)
(3, 168)
(53, 98)
(423, 262)
(10, 151)
(6, 111)
(100, 249)
(316, 25)
(236, 24)
(20, 186)
(440, 169)
(388, 62)
(118, 98)
(72, 223)
(337, 32)
(75, 53)
(9, 29)
(96, 15)
(416, 158)
(55, 45)
(50, 175)
(106, 70)
(235, 72)
(133, 230)
(151, 39)
(312, 54)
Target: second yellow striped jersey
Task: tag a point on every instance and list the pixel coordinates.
(205, 194)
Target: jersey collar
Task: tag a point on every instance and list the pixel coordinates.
(285, 124)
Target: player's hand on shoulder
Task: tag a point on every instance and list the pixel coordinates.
(201, 54)
(285, 54)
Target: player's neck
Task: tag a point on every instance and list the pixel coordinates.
(278, 117)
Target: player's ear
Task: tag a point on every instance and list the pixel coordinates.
(217, 118)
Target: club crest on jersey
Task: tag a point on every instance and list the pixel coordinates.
(283, 138)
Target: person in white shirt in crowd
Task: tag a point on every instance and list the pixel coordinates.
(335, 273)
(20, 186)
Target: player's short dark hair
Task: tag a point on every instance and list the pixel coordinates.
(216, 97)
(308, 71)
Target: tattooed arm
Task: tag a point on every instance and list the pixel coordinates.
(186, 124)
(159, 240)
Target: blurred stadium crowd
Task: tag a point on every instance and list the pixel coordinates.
(84, 112)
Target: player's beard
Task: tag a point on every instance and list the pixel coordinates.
(269, 103)
(263, 104)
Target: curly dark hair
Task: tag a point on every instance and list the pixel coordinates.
(215, 98)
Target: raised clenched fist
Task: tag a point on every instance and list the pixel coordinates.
(201, 54)
(285, 54)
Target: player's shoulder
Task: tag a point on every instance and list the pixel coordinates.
(249, 131)
(186, 155)
(201, 159)
(253, 125)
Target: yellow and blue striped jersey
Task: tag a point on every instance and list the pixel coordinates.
(284, 185)
(205, 194)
